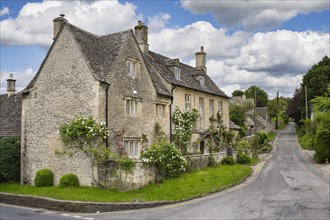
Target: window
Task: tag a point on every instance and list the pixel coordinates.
(220, 107)
(177, 72)
(160, 110)
(187, 102)
(131, 68)
(201, 80)
(211, 107)
(131, 107)
(132, 147)
(201, 111)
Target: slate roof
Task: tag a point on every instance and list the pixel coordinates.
(101, 52)
(188, 75)
(10, 115)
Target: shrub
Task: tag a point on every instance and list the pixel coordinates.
(10, 148)
(44, 177)
(322, 142)
(69, 180)
(228, 160)
(212, 162)
(167, 159)
(243, 159)
(261, 138)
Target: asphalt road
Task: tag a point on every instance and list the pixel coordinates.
(288, 187)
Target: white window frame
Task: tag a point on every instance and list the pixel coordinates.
(187, 101)
(132, 67)
(220, 107)
(132, 148)
(201, 80)
(201, 111)
(177, 71)
(131, 107)
(160, 110)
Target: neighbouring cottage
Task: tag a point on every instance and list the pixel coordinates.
(117, 80)
(10, 110)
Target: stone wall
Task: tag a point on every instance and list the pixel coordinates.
(64, 89)
(111, 176)
(200, 161)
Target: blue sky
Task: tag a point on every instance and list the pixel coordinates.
(271, 44)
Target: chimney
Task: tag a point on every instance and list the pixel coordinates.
(200, 59)
(11, 85)
(58, 22)
(141, 35)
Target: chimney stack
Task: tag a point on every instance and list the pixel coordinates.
(141, 34)
(11, 85)
(58, 22)
(201, 60)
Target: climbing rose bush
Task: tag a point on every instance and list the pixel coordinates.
(184, 122)
(168, 160)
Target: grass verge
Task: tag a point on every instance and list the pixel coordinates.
(186, 186)
(306, 142)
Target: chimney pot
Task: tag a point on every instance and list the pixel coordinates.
(11, 85)
(58, 22)
(201, 59)
(141, 35)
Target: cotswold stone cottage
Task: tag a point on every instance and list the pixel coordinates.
(117, 80)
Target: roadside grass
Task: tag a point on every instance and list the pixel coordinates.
(253, 161)
(188, 185)
(271, 136)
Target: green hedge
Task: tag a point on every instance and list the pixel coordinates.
(10, 148)
(69, 180)
(44, 177)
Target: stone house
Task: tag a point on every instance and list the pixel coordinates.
(117, 80)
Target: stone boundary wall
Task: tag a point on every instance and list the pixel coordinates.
(111, 176)
(74, 206)
(200, 161)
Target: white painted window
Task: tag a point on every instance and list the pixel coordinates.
(131, 106)
(160, 110)
(187, 99)
(132, 66)
(201, 80)
(220, 107)
(132, 148)
(201, 111)
(177, 72)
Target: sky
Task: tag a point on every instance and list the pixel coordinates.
(268, 43)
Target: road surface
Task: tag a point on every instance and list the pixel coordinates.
(288, 187)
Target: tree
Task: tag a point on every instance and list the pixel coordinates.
(317, 79)
(238, 93)
(296, 106)
(237, 113)
(282, 105)
(262, 96)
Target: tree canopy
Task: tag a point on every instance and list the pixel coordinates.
(262, 96)
(237, 93)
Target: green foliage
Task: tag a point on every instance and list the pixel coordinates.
(126, 163)
(212, 162)
(44, 177)
(307, 141)
(228, 160)
(261, 138)
(282, 105)
(10, 148)
(167, 159)
(184, 123)
(262, 96)
(271, 136)
(159, 133)
(69, 180)
(242, 146)
(243, 159)
(239, 93)
(83, 133)
(296, 106)
(322, 120)
(317, 79)
(237, 113)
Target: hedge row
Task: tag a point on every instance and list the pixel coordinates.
(10, 148)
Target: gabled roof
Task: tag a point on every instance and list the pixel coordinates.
(188, 75)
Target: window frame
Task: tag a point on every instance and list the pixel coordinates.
(187, 101)
(132, 147)
(211, 107)
(160, 113)
(177, 72)
(201, 109)
(132, 67)
(132, 107)
(220, 107)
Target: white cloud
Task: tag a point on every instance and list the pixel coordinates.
(158, 22)
(4, 11)
(254, 14)
(184, 42)
(34, 23)
(282, 52)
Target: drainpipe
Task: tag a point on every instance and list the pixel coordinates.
(106, 111)
(171, 136)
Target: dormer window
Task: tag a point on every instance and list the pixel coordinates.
(201, 80)
(177, 72)
(132, 66)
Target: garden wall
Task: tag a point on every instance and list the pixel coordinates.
(111, 176)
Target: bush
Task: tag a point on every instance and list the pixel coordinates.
(243, 159)
(69, 180)
(322, 142)
(44, 177)
(261, 138)
(10, 148)
(212, 162)
(228, 160)
(167, 159)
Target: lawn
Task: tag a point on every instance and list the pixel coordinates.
(186, 186)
